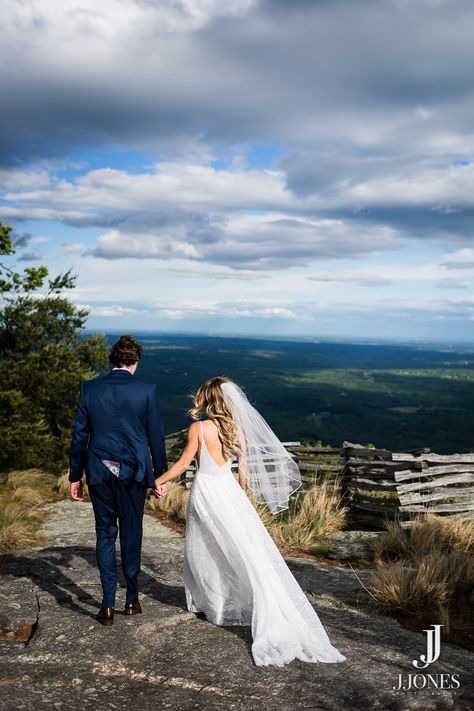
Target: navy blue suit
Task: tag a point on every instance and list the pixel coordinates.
(118, 418)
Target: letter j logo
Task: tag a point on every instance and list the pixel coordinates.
(433, 647)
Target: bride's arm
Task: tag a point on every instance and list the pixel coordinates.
(186, 458)
(243, 465)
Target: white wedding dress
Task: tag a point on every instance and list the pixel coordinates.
(235, 574)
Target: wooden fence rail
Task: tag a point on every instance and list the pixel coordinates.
(377, 484)
(439, 484)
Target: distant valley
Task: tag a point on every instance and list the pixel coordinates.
(394, 396)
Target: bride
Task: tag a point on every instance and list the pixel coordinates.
(233, 571)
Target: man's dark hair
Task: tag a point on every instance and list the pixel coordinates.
(126, 351)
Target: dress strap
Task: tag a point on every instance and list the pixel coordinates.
(202, 433)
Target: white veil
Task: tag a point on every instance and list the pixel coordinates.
(272, 474)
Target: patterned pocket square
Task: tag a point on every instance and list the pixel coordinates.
(114, 467)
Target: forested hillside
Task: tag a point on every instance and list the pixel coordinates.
(394, 396)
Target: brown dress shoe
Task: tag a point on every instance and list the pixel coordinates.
(106, 615)
(132, 608)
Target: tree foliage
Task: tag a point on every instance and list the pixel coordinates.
(44, 356)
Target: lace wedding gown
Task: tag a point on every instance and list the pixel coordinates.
(235, 574)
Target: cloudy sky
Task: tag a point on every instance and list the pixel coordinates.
(298, 167)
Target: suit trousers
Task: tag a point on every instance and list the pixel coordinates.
(118, 501)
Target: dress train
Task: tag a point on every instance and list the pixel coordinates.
(235, 574)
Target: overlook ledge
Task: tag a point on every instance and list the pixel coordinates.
(54, 654)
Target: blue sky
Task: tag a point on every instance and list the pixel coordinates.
(255, 166)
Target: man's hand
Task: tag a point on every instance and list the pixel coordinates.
(76, 491)
(159, 491)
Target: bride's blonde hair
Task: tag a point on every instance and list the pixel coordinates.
(209, 399)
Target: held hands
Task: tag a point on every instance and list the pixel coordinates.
(159, 491)
(77, 494)
(76, 491)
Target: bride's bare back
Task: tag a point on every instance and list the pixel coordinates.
(212, 442)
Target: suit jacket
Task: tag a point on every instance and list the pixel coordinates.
(118, 418)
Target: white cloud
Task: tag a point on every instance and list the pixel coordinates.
(443, 187)
(358, 277)
(72, 248)
(429, 271)
(454, 308)
(169, 185)
(115, 245)
(252, 241)
(18, 179)
(244, 218)
(233, 310)
(208, 273)
(111, 311)
(460, 259)
(110, 22)
(452, 284)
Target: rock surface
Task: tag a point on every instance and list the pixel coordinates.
(167, 658)
(353, 545)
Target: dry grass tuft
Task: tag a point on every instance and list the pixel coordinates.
(429, 534)
(22, 495)
(408, 588)
(317, 514)
(42, 482)
(28, 496)
(428, 568)
(322, 509)
(16, 535)
(19, 523)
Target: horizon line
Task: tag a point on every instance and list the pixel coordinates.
(298, 338)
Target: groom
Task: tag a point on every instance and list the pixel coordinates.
(118, 423)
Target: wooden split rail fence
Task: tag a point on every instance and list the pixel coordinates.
(377, 484)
